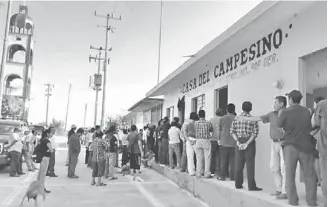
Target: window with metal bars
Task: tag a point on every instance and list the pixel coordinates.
(198, 103)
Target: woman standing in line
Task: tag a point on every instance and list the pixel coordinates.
(45, 150)
(135, 150)
(98, 148)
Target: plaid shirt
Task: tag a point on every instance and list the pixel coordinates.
(244, 129)
(98, 147)
(203, 129)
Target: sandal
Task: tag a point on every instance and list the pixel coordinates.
(93, 183)
(113, 178)
(101, 184)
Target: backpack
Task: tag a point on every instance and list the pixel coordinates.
(36, 157)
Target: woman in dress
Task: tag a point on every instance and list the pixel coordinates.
(98, 148)
(135, 150)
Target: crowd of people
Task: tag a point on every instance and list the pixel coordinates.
(217, 147)
(222, 146)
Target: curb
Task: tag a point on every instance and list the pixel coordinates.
(215, 193)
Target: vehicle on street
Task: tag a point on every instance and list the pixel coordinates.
(6, 129)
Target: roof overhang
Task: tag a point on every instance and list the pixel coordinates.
(145, 104)
(172, 81)
(129, 116)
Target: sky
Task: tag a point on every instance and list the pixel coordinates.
(65, 30)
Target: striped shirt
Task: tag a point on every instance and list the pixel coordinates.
(203, 129)
(244, 129)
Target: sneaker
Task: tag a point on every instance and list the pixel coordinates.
(282, 196)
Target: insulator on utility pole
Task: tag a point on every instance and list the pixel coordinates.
(111, 29)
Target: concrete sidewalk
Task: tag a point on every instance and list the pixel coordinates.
(223, 193)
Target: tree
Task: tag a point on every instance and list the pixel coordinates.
(116, 121)
(58, 125)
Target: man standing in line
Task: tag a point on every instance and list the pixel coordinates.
(245, 132)
(15, 151)
(215, 152)
(298, 147)
(52, 160)
(320, 119)
(227, 144)
(203, 145)
(164, 143)
(74, 151)
(277, 164)
(73, 128)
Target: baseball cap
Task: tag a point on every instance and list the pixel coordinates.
(295, 94)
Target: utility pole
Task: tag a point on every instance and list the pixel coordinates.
(111, 29)
(85, 113)
(97, 79)
(160, 43)
(69, 95)
(4, 51)
(48, 94)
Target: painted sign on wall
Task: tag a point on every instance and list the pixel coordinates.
(257, 55)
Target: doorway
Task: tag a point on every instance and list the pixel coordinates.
(221, 98)
(313, 79)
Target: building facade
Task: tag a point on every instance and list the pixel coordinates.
(275, 48)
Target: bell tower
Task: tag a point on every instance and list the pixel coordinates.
(18, 66)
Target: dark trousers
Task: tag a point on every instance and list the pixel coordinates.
(52, 162)
(14, 162)
(215, 158)
(87, 153)
(292, 156)
(245, 156)
(20, 163)
(150, 144)
(227, 155)
(164, 152)
(125, 155)
(72, 162)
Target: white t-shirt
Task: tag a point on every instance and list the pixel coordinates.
(18, 146)
(53, 142)
(174, 135)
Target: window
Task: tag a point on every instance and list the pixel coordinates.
(198, 103)
(221, 98)
(170, 112)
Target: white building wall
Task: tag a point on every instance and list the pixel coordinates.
(308, 34)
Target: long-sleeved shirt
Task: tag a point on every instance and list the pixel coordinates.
(164, 129)
(183, 133)
(296, 122)
(74, 144)
(174, 135)
(226, 140)
(203, 129)
(243, 129)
